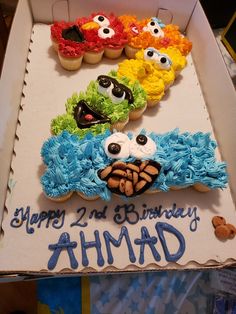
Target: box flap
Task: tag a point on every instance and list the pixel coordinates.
(11, 84)
(51, 10)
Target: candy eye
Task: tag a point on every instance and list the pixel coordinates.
(150, 54)
(142, 146)
(157, 31)
(141, 139)
(154, 28)
(117, 94)
(106, 32)
(117, 146)
(104, 82)
(101, 20)
(104, 85)
(114, 148)
(163, 61)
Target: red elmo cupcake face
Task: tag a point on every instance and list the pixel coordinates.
(106, 30)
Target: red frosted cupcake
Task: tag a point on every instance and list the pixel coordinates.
(103, 30)
(70, 54)
(56, 32)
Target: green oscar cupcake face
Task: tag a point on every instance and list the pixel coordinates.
(106, 101)
(115, 97)
(116, 91)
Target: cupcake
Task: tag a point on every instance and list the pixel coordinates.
(108, 103)
(65, 31)
(153, 70)
(70, 54)
(152, 33)
(94, 47)
(129, 165)
(103, 33)
(118, 98)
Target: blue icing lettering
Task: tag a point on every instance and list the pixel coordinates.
(110, 239)
(147, 240)
(127, 213)
(160, 228)
(98, 214)
(92, 244)
(174, 212)
(63, 243)
(23, 216)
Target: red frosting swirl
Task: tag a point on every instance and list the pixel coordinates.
(57, 28)
(71, 49)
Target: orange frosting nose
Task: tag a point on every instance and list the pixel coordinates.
(90, 25)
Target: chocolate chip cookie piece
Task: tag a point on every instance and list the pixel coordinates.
(132, 178)
(218, 220)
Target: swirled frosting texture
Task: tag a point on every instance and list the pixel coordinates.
(90, 30)
(143, 39)
(185, 159)
(102, 104)
(152, 78)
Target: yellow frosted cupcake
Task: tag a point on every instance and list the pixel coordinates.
(153, 71)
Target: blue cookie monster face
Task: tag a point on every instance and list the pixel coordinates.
(129, 164)
(134, 171)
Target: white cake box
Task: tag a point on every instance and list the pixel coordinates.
(33, 90)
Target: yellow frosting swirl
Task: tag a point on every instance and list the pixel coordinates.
(153, 79)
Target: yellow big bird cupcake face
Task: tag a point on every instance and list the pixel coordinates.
(162, 61)
(154, 69)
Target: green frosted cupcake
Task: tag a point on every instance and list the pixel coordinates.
(109, 102)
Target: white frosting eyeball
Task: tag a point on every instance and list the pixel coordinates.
(150, 54)
(106, 32)
(115, 93)
(101, 20)
(116, 98)
(106, 91)
(117, 146)
(162, 60)
(154, 28)
(142, 146)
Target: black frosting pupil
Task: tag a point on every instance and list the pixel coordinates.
(163, 60)
(104, 82)
(156, 30)
(106, 31)
(141, 139)
(118, 92)
(152, 23)
(150, 53)
(101, 18)
(114, 148)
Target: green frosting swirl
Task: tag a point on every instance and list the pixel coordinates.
(100, 103)
(140, 96)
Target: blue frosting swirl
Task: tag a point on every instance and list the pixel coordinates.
(73, 164)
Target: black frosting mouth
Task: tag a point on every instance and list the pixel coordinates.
(73, 33)
(130, 178)
(85, 116)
